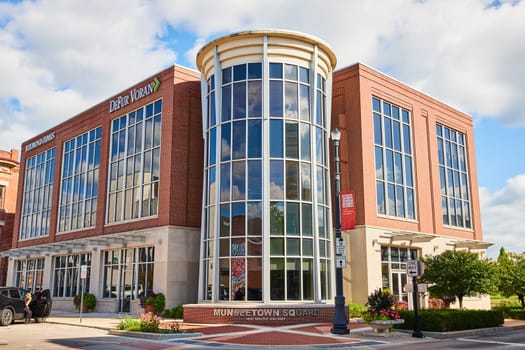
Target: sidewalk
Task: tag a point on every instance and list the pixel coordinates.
(298, 335)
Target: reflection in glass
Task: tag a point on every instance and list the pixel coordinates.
(276, 135)
(276, 218)
(276, 179)
(254, 179)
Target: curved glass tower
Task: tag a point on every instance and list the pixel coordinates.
(266, 230)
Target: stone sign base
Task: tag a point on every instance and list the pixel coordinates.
(258, 314)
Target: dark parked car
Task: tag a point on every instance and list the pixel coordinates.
(12, 305)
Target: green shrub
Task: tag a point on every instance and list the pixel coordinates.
(90, 301)
(356, 310)
(515, 313)
(129, 324)
(451, 320)
(176, 312)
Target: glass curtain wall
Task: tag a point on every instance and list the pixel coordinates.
(266, 181)
(453, 172)
(394, 160)
(135, 164)
(79, 188)
(38, 188)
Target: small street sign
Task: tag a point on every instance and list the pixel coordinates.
(340, 246)
(340, 262)
(83, 271)
(414, 268)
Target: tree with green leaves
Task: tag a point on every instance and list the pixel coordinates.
(458, 274)
(511, 275)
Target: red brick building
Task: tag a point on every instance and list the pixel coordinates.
(9, 170)
(116, 188)
(215, 188)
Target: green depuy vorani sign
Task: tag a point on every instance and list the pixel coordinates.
(134, 95)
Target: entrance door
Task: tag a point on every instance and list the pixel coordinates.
(126, 275)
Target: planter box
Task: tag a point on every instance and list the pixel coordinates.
(384, 326)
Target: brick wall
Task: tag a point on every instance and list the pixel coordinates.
(259, 314)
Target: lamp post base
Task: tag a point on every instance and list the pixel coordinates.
(340, 324)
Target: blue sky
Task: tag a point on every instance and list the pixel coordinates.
(59, 57)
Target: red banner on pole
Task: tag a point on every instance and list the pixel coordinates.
(347, 211)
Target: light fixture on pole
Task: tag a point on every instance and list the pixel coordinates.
(340, 322)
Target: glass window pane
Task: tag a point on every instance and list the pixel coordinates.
(306, 182)
(379, 163)
(225, 182)
(292, 140)
(290, 72)
(254, 139)
(254, 287)
(276, 179)
(276, 246)
(407, 148)
(254, 179)
(292, 218)
(227, 75)
(388, 133)
(276, 70)
(305, 141)
(292, 180)
(254, 70)
(304, 75)
(212, 110)
(304, 102)
(212, 156)
(276, 278)
(378, 130)
(293, 247)
(291, 109)
(254, 99)
(239, 72)
(225, 141)
(238, 219)
(277, 218)
(239, 100)
(276, 98)
(380, 191)
(225, 220)
(226, 103)
(306, 228)
(376, 105)
(276, 135)
(238, 180)
(254, 221)
(255, 246)
(239, 140)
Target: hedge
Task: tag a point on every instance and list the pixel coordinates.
(451, 320)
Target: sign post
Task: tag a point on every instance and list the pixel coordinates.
(83, 275)
(415, 269)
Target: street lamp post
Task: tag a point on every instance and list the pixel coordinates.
(340, 323)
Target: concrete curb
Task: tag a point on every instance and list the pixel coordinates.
(154, 336)
(464, 333)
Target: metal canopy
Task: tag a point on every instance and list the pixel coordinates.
(101, 241)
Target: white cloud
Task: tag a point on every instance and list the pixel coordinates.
(60, 57)
(502, 214)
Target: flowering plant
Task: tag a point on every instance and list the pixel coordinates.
(381, 306)
(149, 322)
(157, 300)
